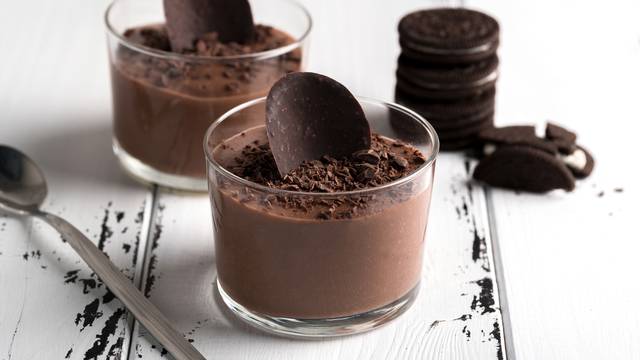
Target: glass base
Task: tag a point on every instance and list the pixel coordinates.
(321, 328)
(148, 175)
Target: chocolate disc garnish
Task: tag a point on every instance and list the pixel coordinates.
(309, 116)
(189, 19)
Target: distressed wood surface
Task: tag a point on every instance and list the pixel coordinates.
(55, 106)
(55, 102)
(570, 260)
(456, 316)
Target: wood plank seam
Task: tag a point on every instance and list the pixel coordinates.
(507, 335)
(142, 269)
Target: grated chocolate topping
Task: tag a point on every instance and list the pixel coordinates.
(387, 160)
(208, 78)
(156, 37)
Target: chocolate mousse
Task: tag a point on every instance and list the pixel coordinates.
(333, 237)
(165, 97)
(312, 257)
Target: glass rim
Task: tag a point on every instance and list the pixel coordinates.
(406, 111)
(260, 55)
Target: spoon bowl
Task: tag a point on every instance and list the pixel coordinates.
(22, 184)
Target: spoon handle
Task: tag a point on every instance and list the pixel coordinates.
(147, 313)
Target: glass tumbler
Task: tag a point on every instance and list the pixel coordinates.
(163, 102)
(291, 272)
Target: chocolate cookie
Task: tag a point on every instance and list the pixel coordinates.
(448, 35)
(524, 168)
(557, 132)
(438, 109)
(517, 135)
(446, 81)
(455, 91)
(453, 134)
(585, 171)
(563, 138)
(457, 123)
(460, 144)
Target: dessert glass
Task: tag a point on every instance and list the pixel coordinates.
(294, 274)
(163, 102)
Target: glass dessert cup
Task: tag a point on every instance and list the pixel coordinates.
(288, 271)
(163, 102)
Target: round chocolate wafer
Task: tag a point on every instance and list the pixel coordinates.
(311, 115)
(448, 35)
(232, 20)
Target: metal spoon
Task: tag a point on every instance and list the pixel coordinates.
(22, 191)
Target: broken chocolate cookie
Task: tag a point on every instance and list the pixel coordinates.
(516, 158)
(524, 168)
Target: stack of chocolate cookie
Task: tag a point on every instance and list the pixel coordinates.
(447, 71)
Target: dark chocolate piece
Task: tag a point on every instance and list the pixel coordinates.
(232, 20)
(309, 116)
(524, 168)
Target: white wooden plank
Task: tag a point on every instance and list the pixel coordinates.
(570, 259)
(54, 96)
(452, 318)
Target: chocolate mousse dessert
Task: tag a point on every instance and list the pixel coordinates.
(170, 81)
(318, 218)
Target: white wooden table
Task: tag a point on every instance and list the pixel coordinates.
(506, 275)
